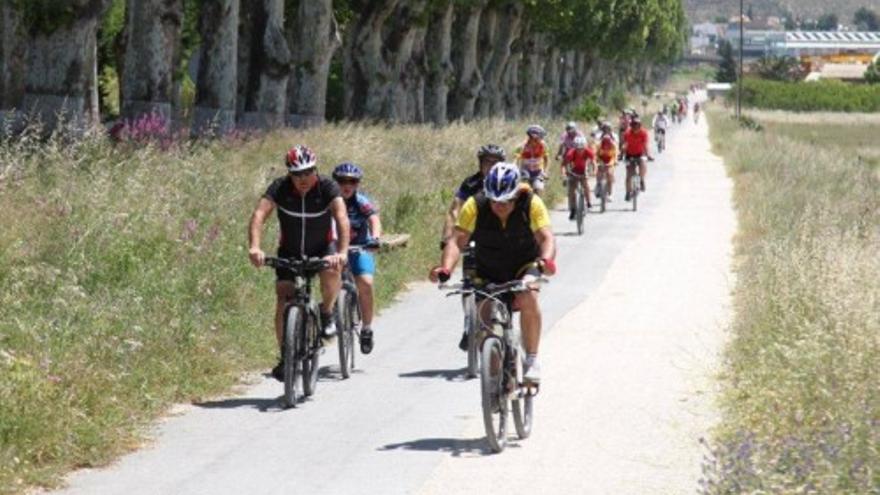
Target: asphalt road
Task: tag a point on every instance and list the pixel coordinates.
(627, 376)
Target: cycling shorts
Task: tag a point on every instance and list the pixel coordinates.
(510, 273)
(283, 274)
(362, 263)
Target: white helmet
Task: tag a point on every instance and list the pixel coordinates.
(580, 142)
(571, 126)
(502, 182)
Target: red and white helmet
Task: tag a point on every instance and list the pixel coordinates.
(300, 158)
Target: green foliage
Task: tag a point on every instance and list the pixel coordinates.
(828, 22)
(775, 68)
(618, 100)
(727, 71)
(108, 84)
(833, 96)
(866, 19)
(872, 74)
(45, 16)
(588, 111)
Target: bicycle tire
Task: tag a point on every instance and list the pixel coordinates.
(494, 397)
(635, 192)
(346, 337)
(291, 350)
(523, 416)
(354, 319)
(580, 209)
(471, 326)
(603, 198)
(312, 351)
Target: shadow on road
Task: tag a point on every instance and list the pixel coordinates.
(457, 447)
(448, 375)
(259, 403)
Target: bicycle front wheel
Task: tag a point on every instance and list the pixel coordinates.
(471, 326)
(580, 210)
(292, 352)
(345, 329)
(522, 411)
(635, 192)
(494, 397)
(309, 339)
(603, 196)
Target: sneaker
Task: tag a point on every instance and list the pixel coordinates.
(571, 215)
(463, 343)
(366, 341)
(589, 205)
(642, 185)
(278, 371)
(608, 199)
(627, 197)
(532, 372)
(328, 326)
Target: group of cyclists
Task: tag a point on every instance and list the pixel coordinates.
(497, 210)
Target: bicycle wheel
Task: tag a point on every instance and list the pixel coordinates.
(291, 350)
(494, 397)
(354, 320)
(345, 329)
(309, 339)
(635, 191)
(471, 326)
(580, 209)
(522, 411)
(603, 196)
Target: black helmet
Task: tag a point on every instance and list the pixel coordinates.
(492, 150)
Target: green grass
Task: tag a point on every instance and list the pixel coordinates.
(801, 407)
(124, 280)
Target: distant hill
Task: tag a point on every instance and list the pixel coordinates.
(707, 10)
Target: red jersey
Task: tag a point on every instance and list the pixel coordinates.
(578, 158)
(607, 149)
(636, 142)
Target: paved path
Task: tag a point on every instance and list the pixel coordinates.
(634, 325)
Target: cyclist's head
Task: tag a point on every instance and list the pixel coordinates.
(571, 127)
(606, 128)
(489, 155)
(580, 142)
(635, 122)
(535, 131)
(301, 165)
(348, 176)
(502, 182)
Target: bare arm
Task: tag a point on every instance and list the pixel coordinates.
(375, 225)
(343, 228)
(451, 216)
(255, 230)
(453, 249)
(546, 243)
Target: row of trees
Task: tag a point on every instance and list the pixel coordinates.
(266, 63)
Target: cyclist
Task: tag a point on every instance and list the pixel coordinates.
(635, 146)
(607, 155)
(622, 125)
(488, 155)
(514, 240)
(532, 158)
(366, 228)
(696, 112)
(660, 124)
(307, 205)
(578, 158)
(566, 140)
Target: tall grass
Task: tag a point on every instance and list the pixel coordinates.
(802, 399)
(827, 96)
(124, 281)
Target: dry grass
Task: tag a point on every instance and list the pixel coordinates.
(124, 281)
(801, 406)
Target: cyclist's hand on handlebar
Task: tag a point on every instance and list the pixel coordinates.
(547, 266)
(336, 261)
(439, 274)
(257, 257)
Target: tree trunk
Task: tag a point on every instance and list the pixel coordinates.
(267, 65)
(366, 73)
(512, 86)
(12, 58)
(411, 89)
(217, 76)
(60, 81)
(505, 30)
(313, 37)
(549, 93)
(153, 29)
(468, 79)
(533, 72)
(566, 83)
(438, 48)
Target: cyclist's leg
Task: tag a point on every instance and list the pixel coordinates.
(331, 283)
(586, 184)
(572, 186)
(363, 267)
(629, 173)
(283, 293)
(643, 169)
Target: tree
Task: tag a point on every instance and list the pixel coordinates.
(827, 22)
(866, 19)
(778, 68)
(872, 75)
(727, 68)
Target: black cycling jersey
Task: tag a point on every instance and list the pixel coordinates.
(306, 221)
(470, 186)
(503, 250)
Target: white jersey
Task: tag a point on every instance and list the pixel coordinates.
(661, 122)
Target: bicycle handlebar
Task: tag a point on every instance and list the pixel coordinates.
(297, 265)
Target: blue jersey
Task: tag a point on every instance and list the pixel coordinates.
(360, 209)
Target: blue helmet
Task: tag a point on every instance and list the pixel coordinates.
(501, 182)
(348, 170)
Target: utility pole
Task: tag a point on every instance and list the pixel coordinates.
(739, 80)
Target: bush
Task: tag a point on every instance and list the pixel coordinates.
(832, 96)
(588, 111)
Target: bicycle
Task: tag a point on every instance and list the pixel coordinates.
(502, 389)
(469, 307)
(635, 180)
(580, 201)
(601, 187)
(660, 138)
(348, 314)
(301, 344)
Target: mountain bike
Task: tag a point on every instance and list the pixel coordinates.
(635, 180)
(348, 314)
(580, 201)
(301, 344)
(602, 187)
(502, 389)
(660, 138)
(469, 307)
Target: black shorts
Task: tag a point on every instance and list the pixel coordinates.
(507, 274)
(283, 274)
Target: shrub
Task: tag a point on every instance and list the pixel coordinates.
(588, 111)
(810, 97)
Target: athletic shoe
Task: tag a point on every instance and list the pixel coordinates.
(627, 197)
(366, 341)
(463, 343)
(532, 372)
(642, 185)
(571, 215)
(328, 326)
(278, 371)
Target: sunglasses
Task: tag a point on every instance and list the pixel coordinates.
(348, 181)
(302, 173)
